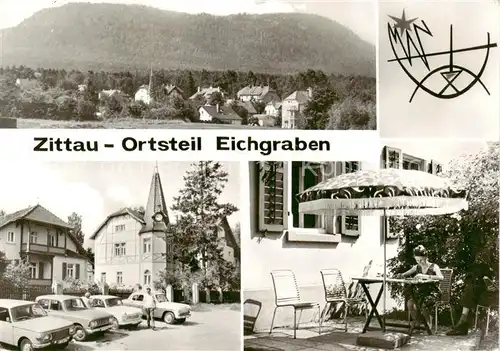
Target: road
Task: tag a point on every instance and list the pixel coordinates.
(209, 328)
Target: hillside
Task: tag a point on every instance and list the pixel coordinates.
(127, 37)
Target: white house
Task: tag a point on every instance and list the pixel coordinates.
(293, 107)
(273, 108)
(38, 236)
(142, 94)
(127, 251)
(206, 93)
(219, 114)
(258, 93)
(282, 238)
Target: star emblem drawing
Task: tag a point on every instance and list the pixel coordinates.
(402, 23)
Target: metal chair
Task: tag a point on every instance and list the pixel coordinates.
(335, 292)
(286, 293)
(445, 297)
(488, 313)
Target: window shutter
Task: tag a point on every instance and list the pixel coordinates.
(64, 270)
(273, 188)
(392, 158)
(77, 271)
(40, 270)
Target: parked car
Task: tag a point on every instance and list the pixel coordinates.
(124, 315)
(26, 324)
(169, 312)
(72, 308)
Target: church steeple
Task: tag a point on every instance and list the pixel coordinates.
(156, 203)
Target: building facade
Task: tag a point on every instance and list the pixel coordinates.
(36, 235)
(282, 238)
(292, 108)
(130, 247)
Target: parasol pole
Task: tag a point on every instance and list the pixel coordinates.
(385, 268)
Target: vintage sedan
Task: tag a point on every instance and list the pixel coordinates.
(124, 315)
(72, 308)
(169, 312)
(26, 324)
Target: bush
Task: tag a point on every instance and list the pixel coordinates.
(17, 274)
(352, 114)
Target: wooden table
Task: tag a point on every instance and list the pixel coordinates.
(365, 281)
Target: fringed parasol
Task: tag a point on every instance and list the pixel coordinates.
(385, 192)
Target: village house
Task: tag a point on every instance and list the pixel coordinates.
(293, 107)
(103, 94)
(273, 108)
(282, 238)
(265, 120)
(258, 93)
(36, 235)
(206, 93)
(168, 90)
(219, 114)
(127, 251)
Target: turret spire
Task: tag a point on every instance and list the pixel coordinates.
(156, 203)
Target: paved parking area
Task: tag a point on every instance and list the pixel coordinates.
(211, 327)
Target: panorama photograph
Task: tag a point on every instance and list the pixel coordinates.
(184, 64)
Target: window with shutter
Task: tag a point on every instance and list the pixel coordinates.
(392, 158)
(319, 228)
(272, 196)
(64, 268)
(40, 270)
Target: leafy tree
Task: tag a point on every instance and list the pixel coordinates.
(86, 110)
(351, 113)
(3, 263)
(237, 233)
(464, 239)
(18, 274)
(190, 85)
(136, 109)
(75, 220)
(260, 106)
(316, 111)
(139, 208)
(216, 98)
(90, 255)
(199, 212)
(240, 111)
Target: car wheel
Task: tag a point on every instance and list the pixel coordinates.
(169, 318)
(181, 320)
(80, 333)
(26, 345)
(115, 324)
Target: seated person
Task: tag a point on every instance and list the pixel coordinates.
(422, 270)
(480, 288)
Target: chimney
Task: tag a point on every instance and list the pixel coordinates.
(217, 108)
(310, 92)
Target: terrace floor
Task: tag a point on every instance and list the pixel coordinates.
(333, 338)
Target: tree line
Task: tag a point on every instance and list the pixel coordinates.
(55, 94)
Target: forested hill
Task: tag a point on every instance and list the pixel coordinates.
(126, 37)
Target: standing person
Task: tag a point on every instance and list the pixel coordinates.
(149, 306)
(422, 270)
(86, 299)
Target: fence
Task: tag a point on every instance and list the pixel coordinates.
(31, 292)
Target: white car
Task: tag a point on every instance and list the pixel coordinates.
(169, 312)
(124, 315)
(25, 324)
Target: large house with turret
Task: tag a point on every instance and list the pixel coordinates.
(130, 247)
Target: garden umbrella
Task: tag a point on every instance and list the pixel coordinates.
(385, 192)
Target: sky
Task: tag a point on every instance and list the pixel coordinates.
(96, 189)
(359, 16)
(474, 114)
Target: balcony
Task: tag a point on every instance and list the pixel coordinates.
(40, 282)
(42, 249)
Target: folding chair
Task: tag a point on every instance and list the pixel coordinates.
(445, 298)
(335, 291)
(286, 293)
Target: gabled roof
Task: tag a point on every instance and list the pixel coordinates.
(257, 91)
(41, 215)
(301, 96)
(36, 213)
(225, 113)
(275, 104)
(247, 105)
(121, 212)
(229, 236)
(206, 92)
(170, 88)
(144, 86)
